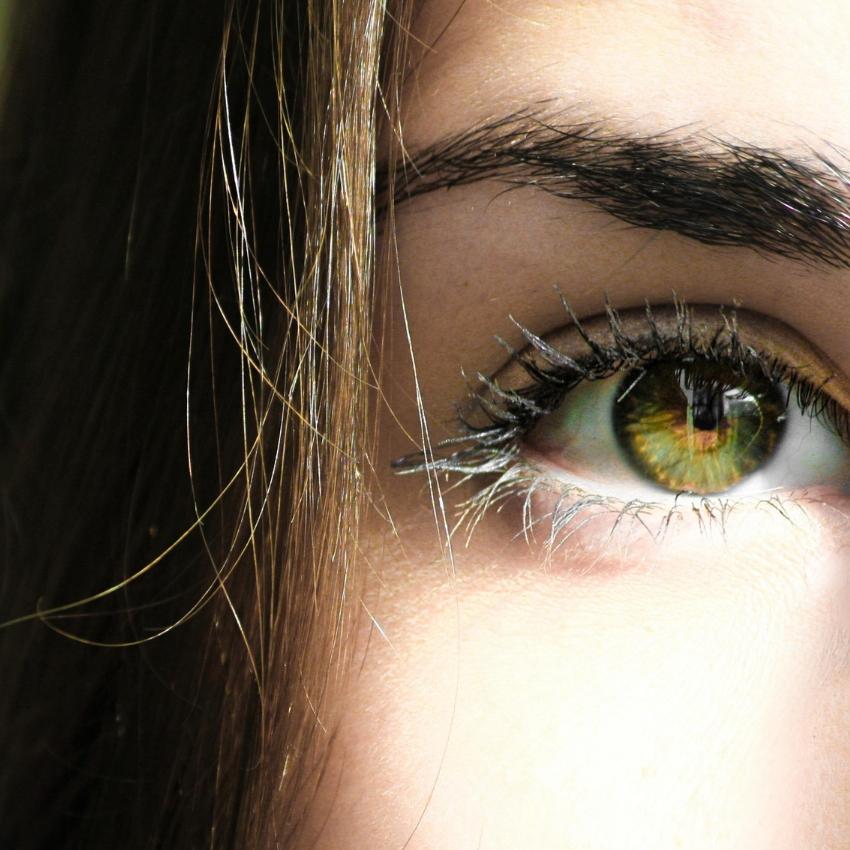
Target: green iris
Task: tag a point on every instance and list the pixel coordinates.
(697, 427)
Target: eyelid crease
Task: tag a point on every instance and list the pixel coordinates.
(699, 328)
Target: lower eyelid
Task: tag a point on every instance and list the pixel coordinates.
(588, 532)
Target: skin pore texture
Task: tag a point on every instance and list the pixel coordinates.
(624, 690)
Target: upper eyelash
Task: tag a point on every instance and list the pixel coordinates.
(510, 414)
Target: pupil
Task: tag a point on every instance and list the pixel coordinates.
(705, 403)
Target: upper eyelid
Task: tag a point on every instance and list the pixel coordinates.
(768, 338)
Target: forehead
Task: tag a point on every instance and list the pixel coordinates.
(771, 72)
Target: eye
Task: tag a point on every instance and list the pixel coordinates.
(695, 428)
(676, 400)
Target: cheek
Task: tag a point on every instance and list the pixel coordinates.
(699, 699)
(823, 780)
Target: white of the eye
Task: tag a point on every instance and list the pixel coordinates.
(577, 444)
(810, 453)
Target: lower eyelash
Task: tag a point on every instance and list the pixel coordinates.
(494, 447)
(576, 510)
(525, 481)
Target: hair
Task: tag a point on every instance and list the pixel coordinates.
(186, 306)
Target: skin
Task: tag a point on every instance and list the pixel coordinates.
(622, 691)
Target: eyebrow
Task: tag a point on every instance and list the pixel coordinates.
(711, 190)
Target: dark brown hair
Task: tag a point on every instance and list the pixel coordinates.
(188, 189)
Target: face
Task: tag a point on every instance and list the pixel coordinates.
(598, 643)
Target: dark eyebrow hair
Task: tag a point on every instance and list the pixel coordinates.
(713, 191)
